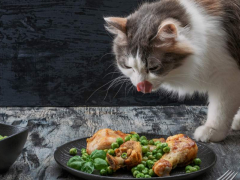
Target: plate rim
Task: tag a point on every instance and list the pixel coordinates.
(197, 173)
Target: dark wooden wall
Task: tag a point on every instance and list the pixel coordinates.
(55, 53)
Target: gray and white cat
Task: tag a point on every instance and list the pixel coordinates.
(185, 46)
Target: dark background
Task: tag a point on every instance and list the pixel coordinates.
(55, 53)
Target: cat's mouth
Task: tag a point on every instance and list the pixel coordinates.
(144, 87)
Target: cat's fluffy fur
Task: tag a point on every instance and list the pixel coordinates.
(190, 45)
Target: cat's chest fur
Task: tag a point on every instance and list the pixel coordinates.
(229, 12)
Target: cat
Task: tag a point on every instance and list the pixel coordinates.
(185, 46)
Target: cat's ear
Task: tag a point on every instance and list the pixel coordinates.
(167, 32)
(167, 38)
(116, 25)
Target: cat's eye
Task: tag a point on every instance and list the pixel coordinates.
(153, 68)
(127, 67)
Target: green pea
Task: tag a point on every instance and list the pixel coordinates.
(106, 150)
(140, 175)
(142, 138)
(140, 167)
(154, 151)
(150, 164)
(83, 151)
(187, 168)
(197, 161)
(188, 171)
(109, 170)
(159, 155)
(160, 151)
(155, 156)
(111, 152)
(144, 163)
(164, 145)
(124, 155)
(85, 157)
(151, 142)
(114, 145)
(144, 142)
(136, 136)
(147, 176)
(73, 151)
(106, 159)
(157, 142)
(149, 153)
(145, 171)
(145, 158)
(133, 139)
(151, 157)
(135, 173)
(155, 160)
(145, 149)
(193, 169)
(159, 146)
(119, 141)
(85, 154)
(103, 172)
(197, 167)
(166, 149)
(134, 169)
(151, 173)
(127, 138)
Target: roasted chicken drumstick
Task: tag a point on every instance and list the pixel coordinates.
(134, 155)
(183, 152)
(103, 139)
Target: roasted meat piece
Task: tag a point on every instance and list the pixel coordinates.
(183, 151)
(103, 139)
(134, 155)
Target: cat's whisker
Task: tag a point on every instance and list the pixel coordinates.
(115, 81)
(119, 89)
(111, 65)
(99, 89)
(128, 83)
(105, 55)
(111, 73)
(130, 88)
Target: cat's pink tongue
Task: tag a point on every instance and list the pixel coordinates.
(144, 87)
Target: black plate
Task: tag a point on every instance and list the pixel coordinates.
(207, 156)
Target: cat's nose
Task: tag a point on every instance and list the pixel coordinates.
(144, 87)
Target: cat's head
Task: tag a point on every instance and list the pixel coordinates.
(150, 44)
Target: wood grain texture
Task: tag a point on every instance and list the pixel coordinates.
(52, 127)
(57, 53)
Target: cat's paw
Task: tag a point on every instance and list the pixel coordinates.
(206, 134)
(236, 122)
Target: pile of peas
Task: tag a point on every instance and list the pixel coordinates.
(144, 170)
(195, 167)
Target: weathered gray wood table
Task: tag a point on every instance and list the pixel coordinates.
(52, 127)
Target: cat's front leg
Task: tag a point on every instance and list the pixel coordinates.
(222, 108)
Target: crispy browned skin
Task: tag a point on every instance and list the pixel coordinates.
(183, 151)
(134, 155)
(162, 140)
(103, 139)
